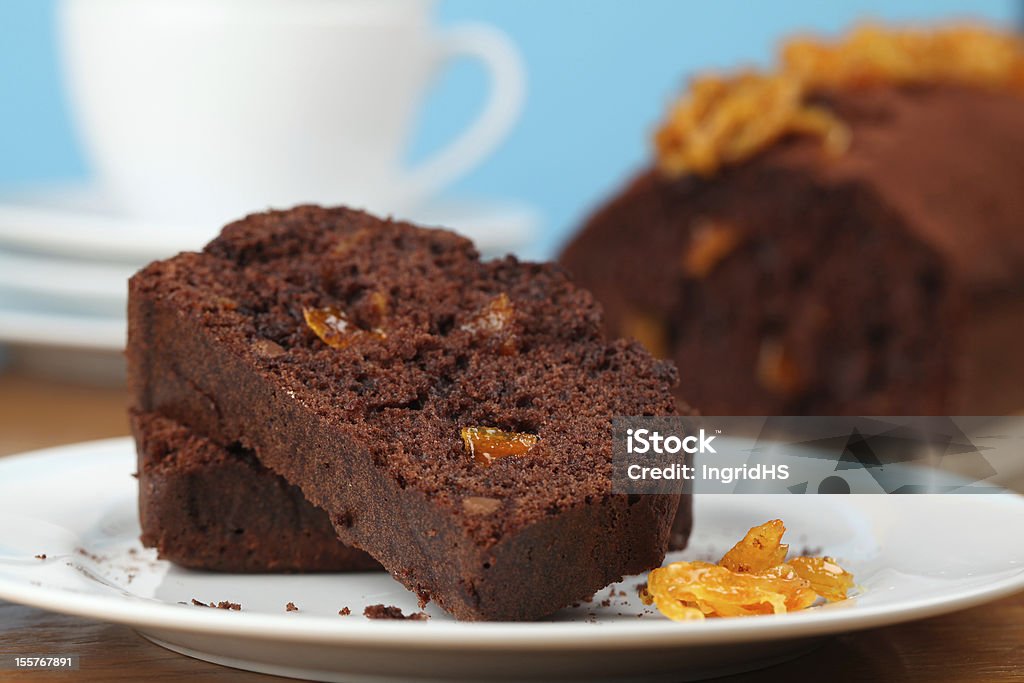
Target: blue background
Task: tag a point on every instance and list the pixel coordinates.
(601, 73)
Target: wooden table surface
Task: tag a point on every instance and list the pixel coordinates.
(981, 644)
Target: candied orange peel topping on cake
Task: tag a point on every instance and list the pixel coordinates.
(334, 328)
(487, 444)
(724, 120)
(871, 55)
(752, 578)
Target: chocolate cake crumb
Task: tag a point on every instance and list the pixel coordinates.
(392, 612)
(344, 611)
(92, 556)
(290, 607)
(606, 603)
(41, 556)
(641, 588)
(223, 604)
(382, 612)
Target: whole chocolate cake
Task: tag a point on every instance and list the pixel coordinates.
(451, 416)
(842, 235)
(204, 506)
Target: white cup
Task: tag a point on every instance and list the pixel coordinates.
(204, 110)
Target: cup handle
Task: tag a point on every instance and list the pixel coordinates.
(508, 91)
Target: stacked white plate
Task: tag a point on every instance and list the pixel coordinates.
(66, 256)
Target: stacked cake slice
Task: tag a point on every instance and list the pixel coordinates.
(329, 372)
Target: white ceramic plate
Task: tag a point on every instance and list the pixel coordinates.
(913, 556)
(77, 221)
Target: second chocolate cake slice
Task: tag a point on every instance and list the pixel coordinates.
(206, 507)
(451, 416)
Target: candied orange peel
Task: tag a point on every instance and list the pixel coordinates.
(725, 120)
(752, 578)
(710, 242)
(761, 549)
(494, 322)
(826, 577)
(334, 328)
(871, 55)
(487, 444)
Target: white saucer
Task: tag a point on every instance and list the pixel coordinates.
(94, 287)
(76, 221)
(30, 322)
(913, 557)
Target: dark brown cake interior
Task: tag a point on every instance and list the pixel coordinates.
(826, 280)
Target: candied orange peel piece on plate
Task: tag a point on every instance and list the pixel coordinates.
(826, 577)
(759, 550)
(752, 578)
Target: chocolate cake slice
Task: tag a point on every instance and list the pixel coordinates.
(852, 245)
(451, 416)
(203, 506)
